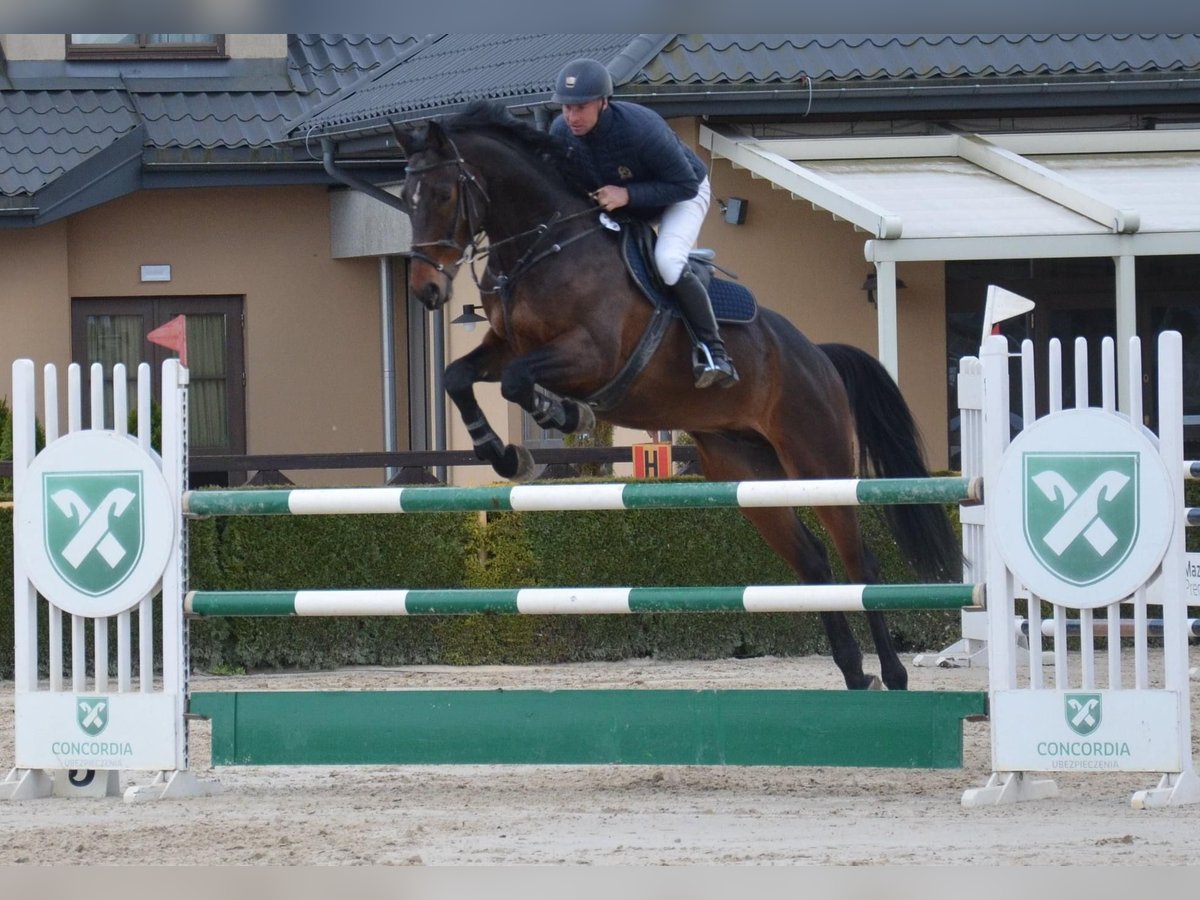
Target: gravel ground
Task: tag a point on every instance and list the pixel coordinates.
(635, 815)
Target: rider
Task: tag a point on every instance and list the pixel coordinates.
(645, 169)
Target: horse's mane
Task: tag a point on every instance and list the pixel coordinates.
(498, 121)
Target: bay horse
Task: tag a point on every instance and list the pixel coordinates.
(565, 317)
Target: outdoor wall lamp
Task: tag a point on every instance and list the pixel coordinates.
(870, 286)
(734, 210)
(469, 317)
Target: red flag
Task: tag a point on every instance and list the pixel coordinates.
(172, 335)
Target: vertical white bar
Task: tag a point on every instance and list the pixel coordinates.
(146, 607)
(1141, 636)
(96, 384)
(174, 582)
(1054, 375)
(1108, 401)
(100, 657)
(50, 403)
(24, 596)
(1087, 650)
(970, 413)
(1141, 655)
(1108, 375)
(120, 379)
(1033, 608)
(74, 424)
(1028, 384)
(1081, 373)
(99, 626)
(1174, 599)
(1114, 646)
(54, 623)
(1002, 665)
(1062, 674)
(74, 398)
(78, 654)
(121, 426)
(1087, 635)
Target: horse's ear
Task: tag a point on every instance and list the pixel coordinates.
(436, 138)
(411, 138)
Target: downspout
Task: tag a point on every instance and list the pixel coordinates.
(353, 181)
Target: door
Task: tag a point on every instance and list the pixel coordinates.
(113, 330)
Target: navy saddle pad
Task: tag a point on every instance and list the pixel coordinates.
(732, 302)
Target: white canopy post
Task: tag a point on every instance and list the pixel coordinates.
(1126, 324)
(885, 311)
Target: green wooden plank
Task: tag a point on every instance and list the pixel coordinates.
(637, 727)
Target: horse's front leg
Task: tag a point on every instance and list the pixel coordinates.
(484, 363)
(521, 383)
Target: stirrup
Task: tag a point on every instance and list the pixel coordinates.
(708, 369)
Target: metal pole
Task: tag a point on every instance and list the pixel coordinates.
(387, 327)
(439, 393)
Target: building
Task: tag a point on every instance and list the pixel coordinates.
(885, 181)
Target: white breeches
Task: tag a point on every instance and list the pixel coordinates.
(677, 233)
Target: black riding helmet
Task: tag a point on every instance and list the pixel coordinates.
(582, 80)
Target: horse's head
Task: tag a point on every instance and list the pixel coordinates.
(445, 202)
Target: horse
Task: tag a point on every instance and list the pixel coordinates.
(565, 318)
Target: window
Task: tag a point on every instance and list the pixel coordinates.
(110, 331)
(145, 46)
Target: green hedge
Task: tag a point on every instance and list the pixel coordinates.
(636, 548)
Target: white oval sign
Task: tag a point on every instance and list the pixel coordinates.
(94, 523)
(1083, 509)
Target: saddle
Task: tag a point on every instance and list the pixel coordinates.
(733, 303)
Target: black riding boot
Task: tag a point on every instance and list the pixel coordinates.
(710, 363)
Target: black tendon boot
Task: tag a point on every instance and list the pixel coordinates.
(710, 363)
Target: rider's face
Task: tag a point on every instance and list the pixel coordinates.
(582, 117)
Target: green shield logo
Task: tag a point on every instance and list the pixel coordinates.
(94, 527)
(1084, 712)
(1081, 512)
(91, 714)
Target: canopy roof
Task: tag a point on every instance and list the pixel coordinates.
(993, 196)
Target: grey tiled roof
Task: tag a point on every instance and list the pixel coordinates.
(457, 68)
(45, 133)
(520, 69)
(782, 58)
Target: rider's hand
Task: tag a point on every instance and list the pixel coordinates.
(611, 197)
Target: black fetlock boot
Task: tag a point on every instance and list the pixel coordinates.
(710, 362)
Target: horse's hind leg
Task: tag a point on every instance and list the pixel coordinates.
(729, 459)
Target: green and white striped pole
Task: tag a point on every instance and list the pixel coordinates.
(637, 495)
(585, 601)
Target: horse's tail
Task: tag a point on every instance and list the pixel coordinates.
(889, 446)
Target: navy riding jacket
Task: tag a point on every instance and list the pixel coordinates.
(633, 147)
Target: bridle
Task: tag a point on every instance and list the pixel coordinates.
(474, 250)
(467, 252)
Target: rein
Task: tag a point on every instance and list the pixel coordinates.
(474, 251)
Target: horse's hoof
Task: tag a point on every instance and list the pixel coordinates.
(526, 469)
(586, 423)
(509, 462)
